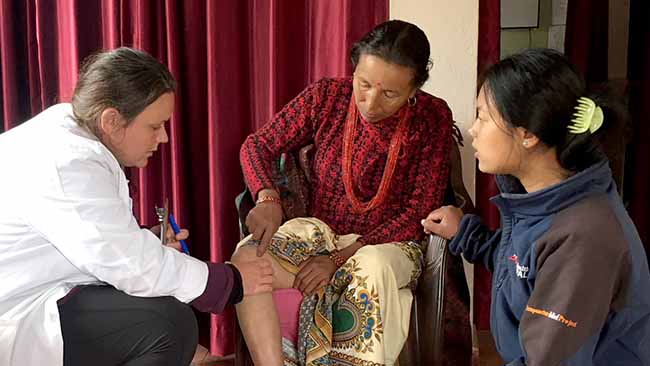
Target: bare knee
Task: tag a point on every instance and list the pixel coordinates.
(248, 253)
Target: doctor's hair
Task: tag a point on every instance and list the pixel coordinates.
(538, 90)
(126, 79)
(400, 43)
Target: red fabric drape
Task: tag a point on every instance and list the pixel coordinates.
(236, 62)
(586, 38)
(637, 167)
(489, 37)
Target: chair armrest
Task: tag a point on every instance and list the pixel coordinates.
(461, 196)
(304, 161)
(440, 332)
(244, 203)
(292, 177)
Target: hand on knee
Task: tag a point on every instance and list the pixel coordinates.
(256, 273)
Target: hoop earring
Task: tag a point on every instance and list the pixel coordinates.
(412, 101)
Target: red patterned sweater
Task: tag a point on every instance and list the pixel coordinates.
(318, 116)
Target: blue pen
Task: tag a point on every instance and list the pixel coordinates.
(177, 230)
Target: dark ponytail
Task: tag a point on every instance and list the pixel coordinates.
(577, 152)
(538, 90)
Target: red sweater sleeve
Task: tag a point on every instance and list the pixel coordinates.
(429, 179)
(294, 126)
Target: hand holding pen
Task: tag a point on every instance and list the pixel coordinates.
(176, 239)
(170, 235)
(173, 239)
(179, 234)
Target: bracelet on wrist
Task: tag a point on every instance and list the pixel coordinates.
(268, 199)
(336, 258)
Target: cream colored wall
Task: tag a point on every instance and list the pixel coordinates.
(517, 40)
(452, 29)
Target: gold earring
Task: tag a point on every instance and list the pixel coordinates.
(525, 143)
(412, 101)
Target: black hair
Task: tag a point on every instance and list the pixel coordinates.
(538, 90)
(400, 43)
(126, 79)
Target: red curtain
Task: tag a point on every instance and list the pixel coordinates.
(586, 39)
(236, 62)
(489, 41)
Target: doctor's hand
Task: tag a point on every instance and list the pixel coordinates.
(173, 240)
(263, 222)
(257, 276)
(443, 221)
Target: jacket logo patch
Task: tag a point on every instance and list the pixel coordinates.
(522, 271)
(552, 315)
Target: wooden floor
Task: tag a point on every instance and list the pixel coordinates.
(203, 358)
(486, 355)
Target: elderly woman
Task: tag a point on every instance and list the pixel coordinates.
(380, 165)
(82, 283)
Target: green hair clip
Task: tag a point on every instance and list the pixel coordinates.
(588, 117)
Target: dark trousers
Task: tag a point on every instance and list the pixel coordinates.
(102, 326)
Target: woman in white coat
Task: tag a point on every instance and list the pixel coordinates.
(81, 282)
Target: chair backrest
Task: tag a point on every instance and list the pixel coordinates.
(292, 176)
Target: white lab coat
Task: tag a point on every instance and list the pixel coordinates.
(66, 219)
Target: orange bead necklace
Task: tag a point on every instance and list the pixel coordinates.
(396, 143)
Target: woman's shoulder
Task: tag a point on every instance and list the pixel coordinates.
(590, 223)
(429, 103)
(333, 86)
(327, 93)
(433, 112)
(72, 144)
(53, 135)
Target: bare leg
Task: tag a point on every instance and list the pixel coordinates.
(258, 317)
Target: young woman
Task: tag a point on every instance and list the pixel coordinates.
(570, 275)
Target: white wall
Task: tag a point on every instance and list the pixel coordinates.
(452, 29)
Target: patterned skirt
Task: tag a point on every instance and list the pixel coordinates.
(362, 316)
